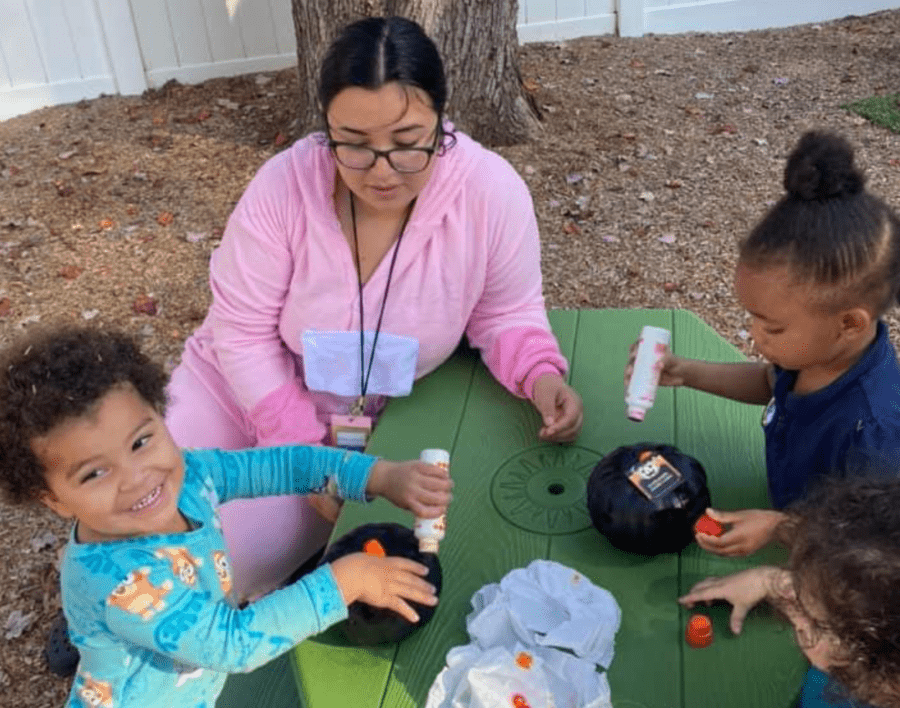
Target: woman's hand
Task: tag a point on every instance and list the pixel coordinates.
(743, 590)
(751, 529)
(560, 407)
(383, 582)
(416, 486)
(672, 371)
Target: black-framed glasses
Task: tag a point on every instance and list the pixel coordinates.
(401, 159)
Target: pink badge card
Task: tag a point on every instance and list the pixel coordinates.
(351, 431)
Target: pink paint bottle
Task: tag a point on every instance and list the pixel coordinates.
(641, 390)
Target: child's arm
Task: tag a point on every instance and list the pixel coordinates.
(745, 381)
(294, 469)
(416, 486)
(160, 611)
(743, 590)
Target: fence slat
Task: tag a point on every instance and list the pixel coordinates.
(54, 41)
(189, 32)
(540, 11)
(23, 59)
(257, 29)
(157, 46)
(224, 35)
(87, 35)
(570, 9)
(285, 38)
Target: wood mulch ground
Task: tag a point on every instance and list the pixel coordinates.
(657, 155)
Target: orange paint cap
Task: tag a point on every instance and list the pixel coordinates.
(708, 525)
(699, 632)
(374, 548)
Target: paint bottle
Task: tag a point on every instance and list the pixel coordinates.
(641, 390)
(430, 532)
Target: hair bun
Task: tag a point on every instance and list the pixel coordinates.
(821, 167)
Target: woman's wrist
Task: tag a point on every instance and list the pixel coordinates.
(541, 368)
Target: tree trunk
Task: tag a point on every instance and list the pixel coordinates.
(477, 41)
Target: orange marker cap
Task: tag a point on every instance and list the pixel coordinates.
(374, 548)
(707, 524)
(699, 632)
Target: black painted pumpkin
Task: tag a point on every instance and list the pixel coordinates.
(366, 625)
(659, 519)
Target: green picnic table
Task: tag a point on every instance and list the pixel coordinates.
(517, 499)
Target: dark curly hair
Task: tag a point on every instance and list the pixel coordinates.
(829, 230)
(375, 51)
(845, 560)
(56, 375)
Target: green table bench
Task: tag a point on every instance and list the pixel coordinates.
(505, 515)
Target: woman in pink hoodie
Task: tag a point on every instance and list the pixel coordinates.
(353, 264)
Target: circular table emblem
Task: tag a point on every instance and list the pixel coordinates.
(543, 489)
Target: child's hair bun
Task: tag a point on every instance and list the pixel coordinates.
(821, 167)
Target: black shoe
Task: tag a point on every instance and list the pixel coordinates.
(60, 654)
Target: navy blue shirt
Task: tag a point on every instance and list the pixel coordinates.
(822, 691)
(852, 426)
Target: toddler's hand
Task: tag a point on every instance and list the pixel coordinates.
(751, 529)
(560, 406)
(415, 486)
(383, 582)
(671, 373)
(743, 590)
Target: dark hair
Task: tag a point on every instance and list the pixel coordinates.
(378, 50)
(845, 558)
(56, 375)
(829, 230)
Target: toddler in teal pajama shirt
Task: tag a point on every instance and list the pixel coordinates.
(146, 584)
(152, 616)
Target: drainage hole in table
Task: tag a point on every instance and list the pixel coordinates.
(556, 488)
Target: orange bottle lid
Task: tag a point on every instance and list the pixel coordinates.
(708, 525)
(699, 632)
(374, 548)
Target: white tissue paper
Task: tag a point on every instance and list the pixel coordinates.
(540, 638)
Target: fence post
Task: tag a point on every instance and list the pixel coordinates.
(122, 46)
(630, 18)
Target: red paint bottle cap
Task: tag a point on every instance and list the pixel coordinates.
(374, 548)
(699, 632)
(708, 525)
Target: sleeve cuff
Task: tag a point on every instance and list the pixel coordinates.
(355, 470)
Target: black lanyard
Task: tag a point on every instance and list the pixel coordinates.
(365, 373)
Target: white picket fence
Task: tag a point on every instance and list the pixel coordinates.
(59, 51)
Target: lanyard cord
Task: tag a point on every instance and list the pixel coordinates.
(364, 378)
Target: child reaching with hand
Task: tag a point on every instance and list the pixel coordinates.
(816, 275)
(839, 591)
(146, 586)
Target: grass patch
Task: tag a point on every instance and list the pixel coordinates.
(881, 110)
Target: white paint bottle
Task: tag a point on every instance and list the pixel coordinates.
(641, 390)
(430, 532)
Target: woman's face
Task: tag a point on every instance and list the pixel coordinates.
(383, 119)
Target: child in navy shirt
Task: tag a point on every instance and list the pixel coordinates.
(816, 275)
(839, 591)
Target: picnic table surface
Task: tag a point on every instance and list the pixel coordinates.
(504, 516)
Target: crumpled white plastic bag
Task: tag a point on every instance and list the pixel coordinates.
(538, 639)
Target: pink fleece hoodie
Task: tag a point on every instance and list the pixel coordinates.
(469, 264)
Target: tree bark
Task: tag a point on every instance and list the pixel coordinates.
(479, 46)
